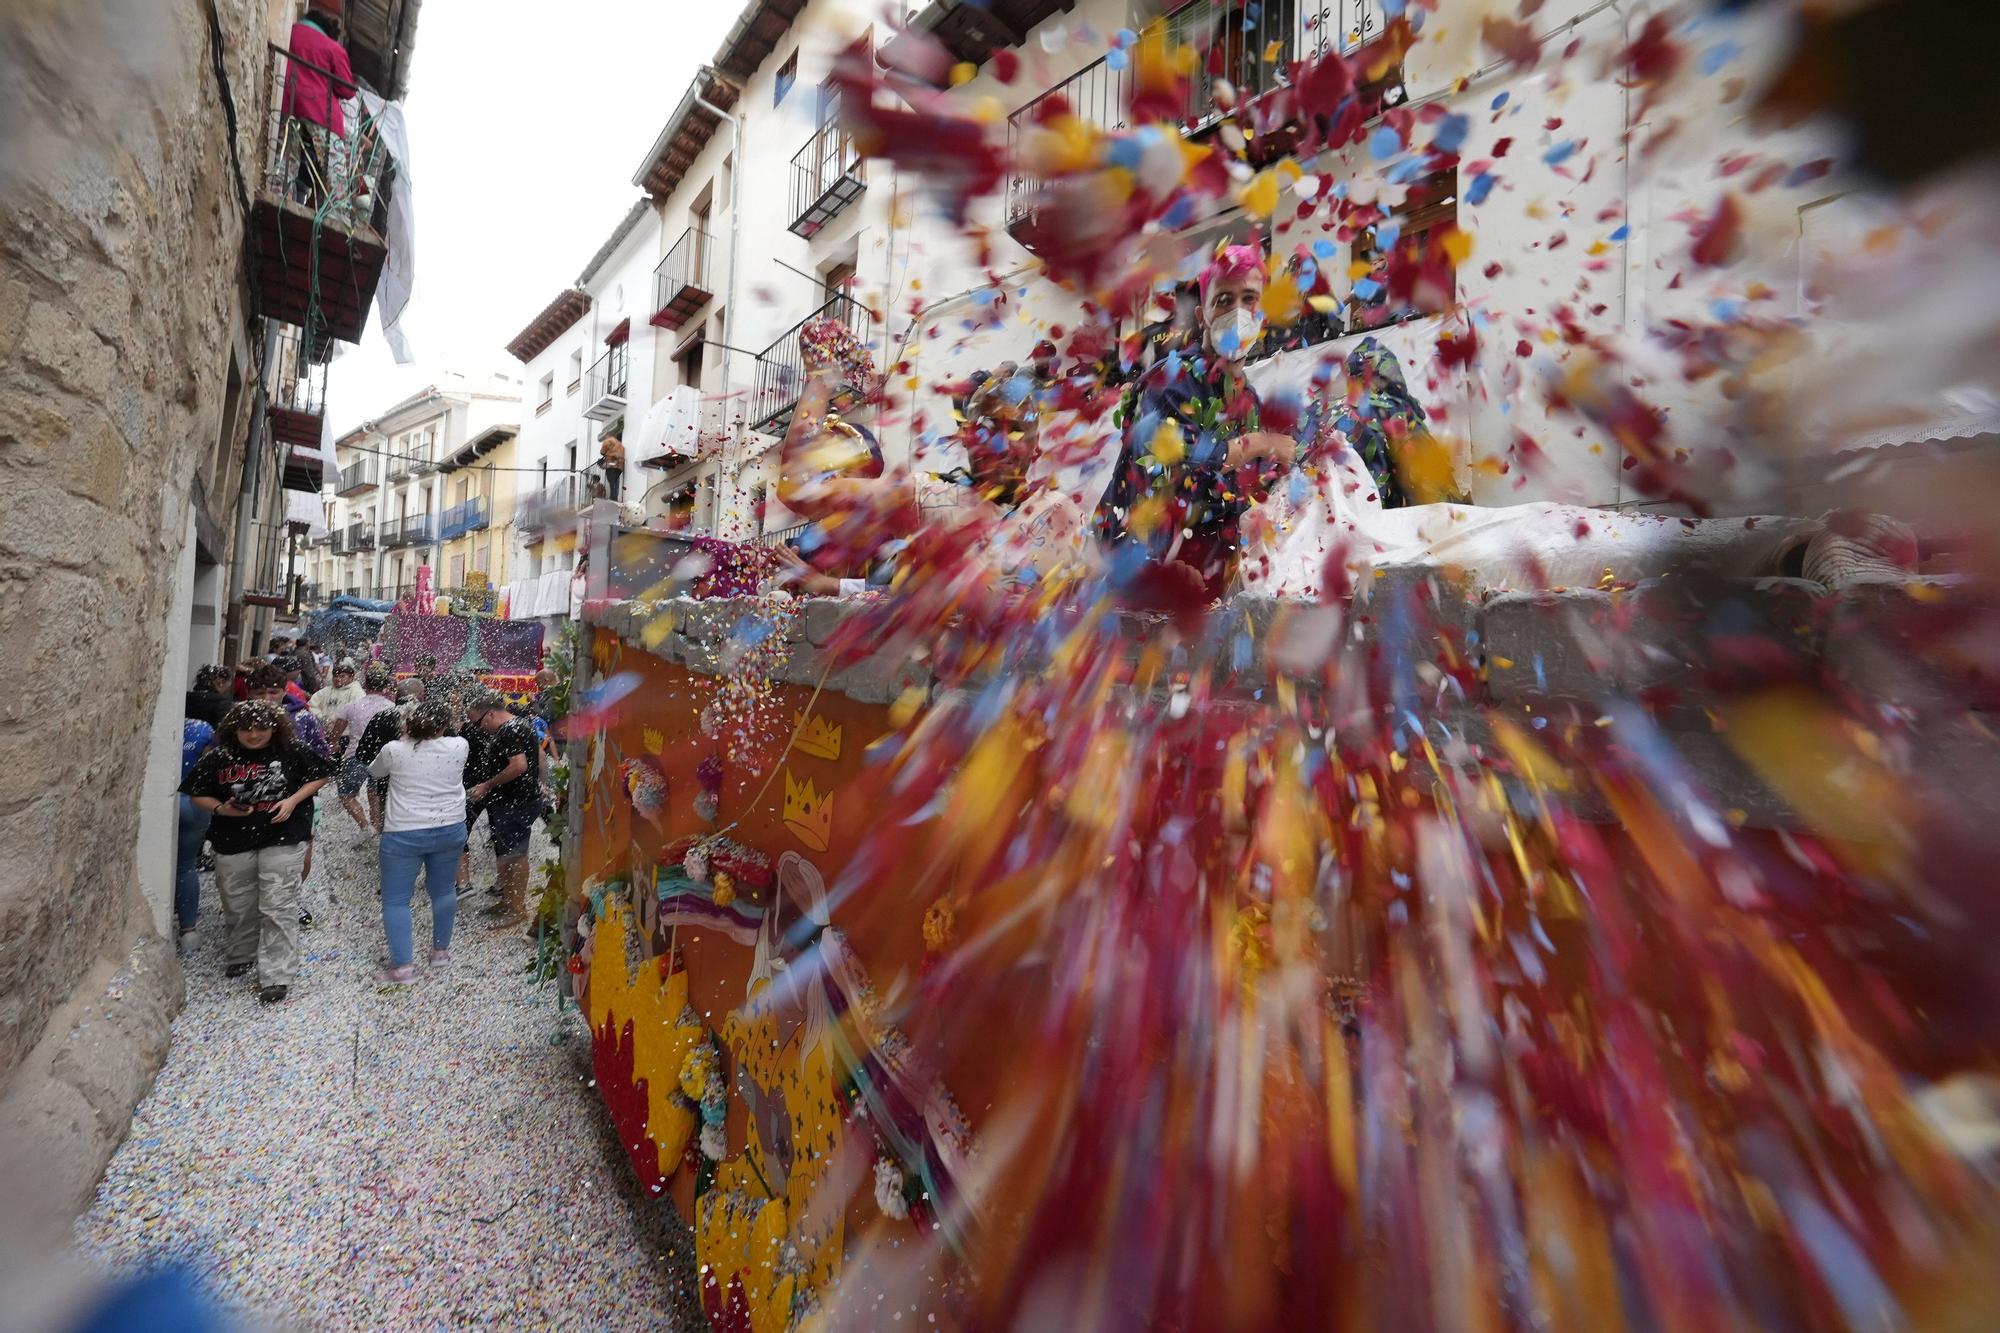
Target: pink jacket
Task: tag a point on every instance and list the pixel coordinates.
(306, 94)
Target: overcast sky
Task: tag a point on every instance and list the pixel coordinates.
(527, 121)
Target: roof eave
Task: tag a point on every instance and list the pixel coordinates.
(640, 207)
(534, 339)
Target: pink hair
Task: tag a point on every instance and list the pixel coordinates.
(1235, 261)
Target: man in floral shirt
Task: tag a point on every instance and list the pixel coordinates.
(1196, 453)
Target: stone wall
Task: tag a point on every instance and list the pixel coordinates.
(123, 329)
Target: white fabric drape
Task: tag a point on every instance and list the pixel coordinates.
(672, 427)
(399, 271)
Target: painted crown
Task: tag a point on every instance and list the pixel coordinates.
(808, 813)
(816, 737)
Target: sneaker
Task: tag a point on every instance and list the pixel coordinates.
(185, 939)
(396, 976)
(238, 969)
(306, 919)
(440, 957)
(273, 994)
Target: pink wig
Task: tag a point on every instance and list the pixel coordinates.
(1235, 261)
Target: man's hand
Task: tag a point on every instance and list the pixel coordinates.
(284, 809)
(233, 810)
(792, 569)
(1262, 445)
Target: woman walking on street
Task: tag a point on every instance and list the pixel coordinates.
(258, 782)
(423, 826)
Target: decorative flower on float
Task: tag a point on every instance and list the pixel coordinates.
(701, 1084)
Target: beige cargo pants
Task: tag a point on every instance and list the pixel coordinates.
(260, 910)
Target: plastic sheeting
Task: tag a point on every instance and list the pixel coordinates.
(532, 599)
(399, 271)
(1290, 538)
(671, 428)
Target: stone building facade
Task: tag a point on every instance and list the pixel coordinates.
(140, 501)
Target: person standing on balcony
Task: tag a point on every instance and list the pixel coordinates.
(611, 460)
(1196, 455)
(318, 79)
(258, 783)
(424, 829)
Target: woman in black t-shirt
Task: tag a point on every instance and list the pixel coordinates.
(258, 782)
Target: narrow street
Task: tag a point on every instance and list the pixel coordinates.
(360, 1159)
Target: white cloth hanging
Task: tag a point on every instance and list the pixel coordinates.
(399, 271)
(671, 429)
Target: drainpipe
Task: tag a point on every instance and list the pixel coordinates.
(735, 214)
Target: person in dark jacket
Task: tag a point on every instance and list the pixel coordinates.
(207, 699)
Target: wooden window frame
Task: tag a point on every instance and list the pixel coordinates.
(1432, 208)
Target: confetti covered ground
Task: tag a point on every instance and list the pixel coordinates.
(354, 1159)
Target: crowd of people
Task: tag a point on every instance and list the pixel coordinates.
(434, 752)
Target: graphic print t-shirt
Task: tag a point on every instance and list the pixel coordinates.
(258, 781)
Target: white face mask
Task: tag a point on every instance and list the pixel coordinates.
(1232, 334)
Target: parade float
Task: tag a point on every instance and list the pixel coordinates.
(1408, 949)
(918, 967)
(462, 631)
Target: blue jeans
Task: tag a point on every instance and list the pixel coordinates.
(437, 851)
(187, 851)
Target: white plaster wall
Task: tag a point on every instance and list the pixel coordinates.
(622, 289)
(545, 436)
(158, 805)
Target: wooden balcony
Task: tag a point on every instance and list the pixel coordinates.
(315, 233)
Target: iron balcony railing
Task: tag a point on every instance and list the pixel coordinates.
(608, 375)
(681, 284)
(781, 373)
(299, 378)
(1252, 47)
(357, 477)
(360, 537)
(413, 530)
(325, 153)
(826, 174)
(551, 504)
(466, 516)
(779, 536)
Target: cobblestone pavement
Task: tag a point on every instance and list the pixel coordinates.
(426, 1158)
